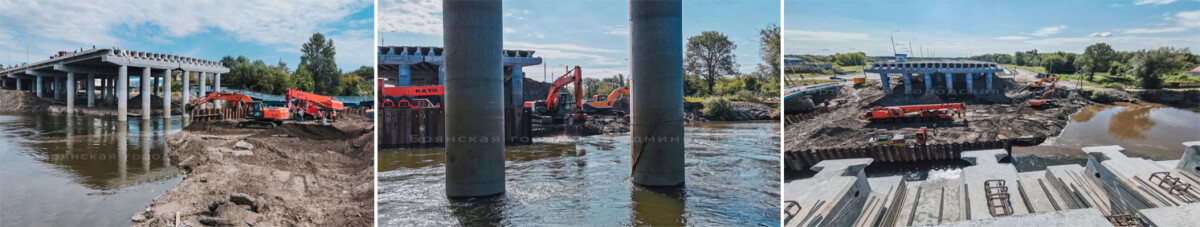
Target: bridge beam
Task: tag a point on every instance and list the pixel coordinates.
(122, 94)
(474, 112)
(656, 109)
(145, 93)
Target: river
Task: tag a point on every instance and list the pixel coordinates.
(732, 179)
(81, 171)
(1145, 130)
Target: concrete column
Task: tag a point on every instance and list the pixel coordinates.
(928, 83)
(202, 90)
(217, 83)
(518, 96)
(989, 80)
(122, 94)
(145, 86)
(187, 77)
(57, 87)
(907, 83)
(656, 108)
(37, 86)
(404, 78)
(887, 87)
(19, 84)
(91, 90)
(166, 90)
(970, 83)
(474, 112)
(442, 74)
(70, 92)
(950, 83)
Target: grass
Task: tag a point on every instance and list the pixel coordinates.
(1036, 69)
(693, 99)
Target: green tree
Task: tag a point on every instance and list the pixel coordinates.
(1054, 63)
(1097, 57)
(710, 55)
(1149, 66)
(768, 50)
(317, 56)
(358, 82)
(303, 79)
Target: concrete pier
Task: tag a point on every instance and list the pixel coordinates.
(656, 106)
(907, 83)
(970, 83)
(91, 90)
(187, 90)
(70, 92)
(928, 83)
(203, 90)
(474, 112)
(145, 93)
(166, 91)
(950, 83)
(122, 95)
(38, 86)
(989, 81)
(886, 81)
(217, 82)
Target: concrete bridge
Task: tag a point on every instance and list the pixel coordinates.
(970, 71)
(60, 76)
(426, 66)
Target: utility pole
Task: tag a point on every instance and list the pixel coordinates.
(910, 50)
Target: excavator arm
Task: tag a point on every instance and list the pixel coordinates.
(573, 76)
(616, 94)
(227, 96)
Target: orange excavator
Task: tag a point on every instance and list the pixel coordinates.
(1041, 102)
(1044, 80)
(259, 116)
(555, 109)
(915, 112)
(604, 104)
(306, 105)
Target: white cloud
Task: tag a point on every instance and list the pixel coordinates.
(96, 22)
(1189, 19)
(1012, 37)
(414, 16)
(509, 30)
(620, 30)
(1101, 34)
(805, 35)
(354, 48)
(595, 56)
(1184, 21)
(570, 47)
(1155, 30)
(1049, 30)
(1153, 2)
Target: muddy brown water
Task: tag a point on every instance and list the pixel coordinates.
(81, 171)
(1145, 130)
(732, 180)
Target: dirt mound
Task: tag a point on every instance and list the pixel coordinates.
(135, 102)
(22, 101)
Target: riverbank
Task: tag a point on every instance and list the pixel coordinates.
(297, 174)
(26, 102)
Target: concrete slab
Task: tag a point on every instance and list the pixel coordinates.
(987, 167)
(1078, 217)
(835, 195)
(1070, 191)
(1173, 216)
(1036, 196)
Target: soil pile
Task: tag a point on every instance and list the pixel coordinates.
(298, 174)
(749, 111)
(22, 101)
(987, 117)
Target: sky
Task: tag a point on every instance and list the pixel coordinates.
(966, 28)
(266, 30)
(593, 34)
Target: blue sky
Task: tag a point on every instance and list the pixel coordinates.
(961, 28)
(266, 30)
(593, 34)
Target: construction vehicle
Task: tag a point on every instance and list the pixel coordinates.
(1042, 81)
(304, 105)
(418, 97)
(914, 112)
(557, 108)
(257, 114)
(919, 138)
(604, 104)
(1041, 102)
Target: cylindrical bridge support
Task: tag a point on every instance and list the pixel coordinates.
(145, 93)
(474, 110)
(122, 94)
(656, 107)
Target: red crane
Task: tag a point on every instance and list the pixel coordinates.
(313, 106)
(914, 112)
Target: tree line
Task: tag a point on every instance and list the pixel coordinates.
(710, 66)
(317, 73)
(1149, 67)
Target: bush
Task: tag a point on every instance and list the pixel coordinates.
(1101, 96)
(1113, 86)
(744, 96)
(718, 108)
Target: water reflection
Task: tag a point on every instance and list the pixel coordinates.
(79, 171)
(1132, 122)
(658, 206)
